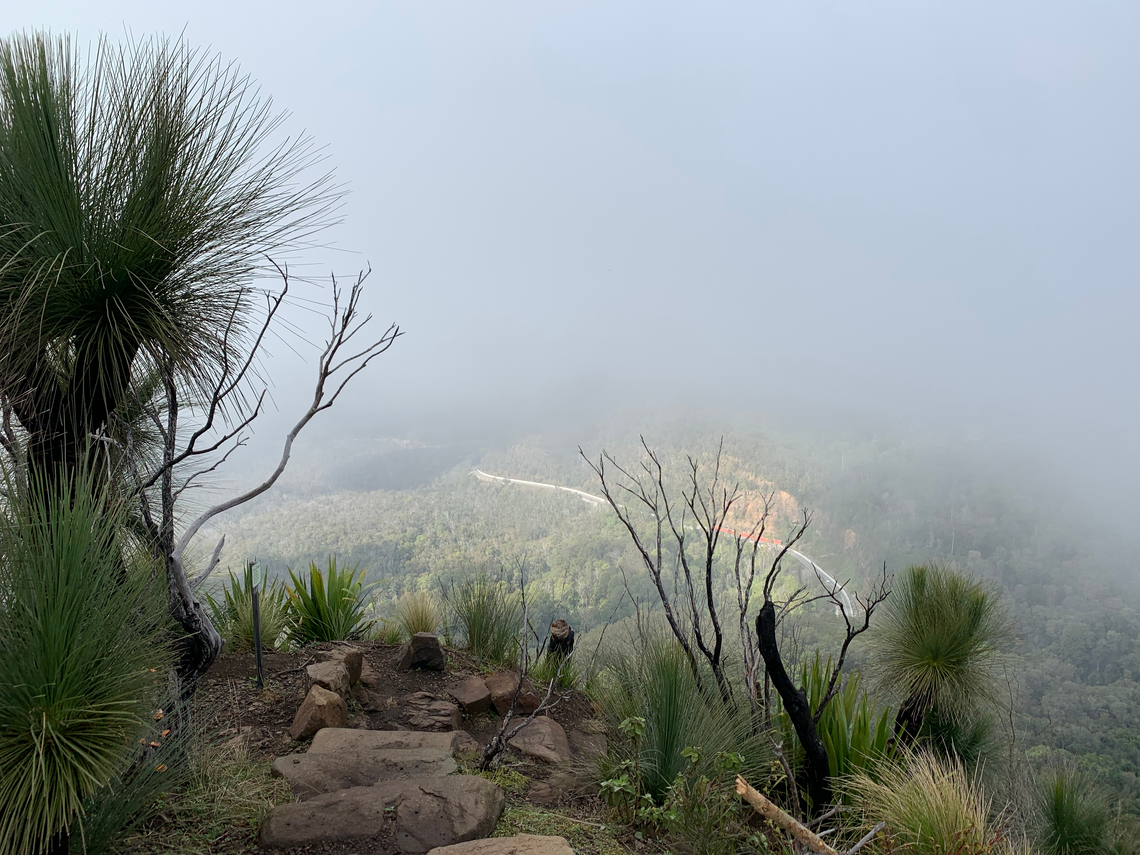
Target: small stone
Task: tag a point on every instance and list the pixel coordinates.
(351, 657)
(472, 695)
(522, 844)
(423, 711)
(543, 739)
(329, 675)
(422, 650)
(321, 708)
(369, 676)
(502, 685)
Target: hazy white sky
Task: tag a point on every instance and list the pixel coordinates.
(921, 213)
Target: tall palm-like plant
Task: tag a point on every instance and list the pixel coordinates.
(136, 204)
(940, 637)
(139, 197)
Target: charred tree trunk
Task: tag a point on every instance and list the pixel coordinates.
(816, 769)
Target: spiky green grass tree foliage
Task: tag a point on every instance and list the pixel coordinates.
(488, 616)
(939, 641)
(855, 727)
(651, 679)
(931, 805)
(233, 612)
(1074, 816)
(82, 643)
(138, 197)
(328, 605)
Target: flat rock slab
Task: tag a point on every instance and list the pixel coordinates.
(425, 813)
(336, 739)
(311, 775)
(522, 844)
(543, 739)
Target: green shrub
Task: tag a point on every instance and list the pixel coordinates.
(233, 615)
(328, 607)
(563, 670)
(931, 805)
(1073, 815)
(489, 618)
(388, 632)
(82, 637)
(418, 612)
(652, 680)
(855, 730)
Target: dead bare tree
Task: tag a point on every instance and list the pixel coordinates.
(691, 608)
(158, 490)
(691, 611)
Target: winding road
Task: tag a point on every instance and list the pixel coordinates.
(825, 579)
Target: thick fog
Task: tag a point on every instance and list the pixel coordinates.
(872, 216)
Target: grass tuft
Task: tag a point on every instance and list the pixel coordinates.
(488, 616)
(418, 612)
(931, 805)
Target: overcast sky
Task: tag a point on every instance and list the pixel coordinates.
(920, 213)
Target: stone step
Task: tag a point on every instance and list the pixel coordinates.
(312, 774)
(421, 813)
(522, 844)
(349, 739)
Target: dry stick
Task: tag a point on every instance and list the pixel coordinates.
(866, 838)
(801, 833)
(776, 815)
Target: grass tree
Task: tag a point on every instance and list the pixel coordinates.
(141, 196)
(938, 645)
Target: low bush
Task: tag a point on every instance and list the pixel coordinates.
(329, 605)
(855, 729)
(488, 616)
(1073, 815)
(233, 614)
(563, 671)
(651, 680)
